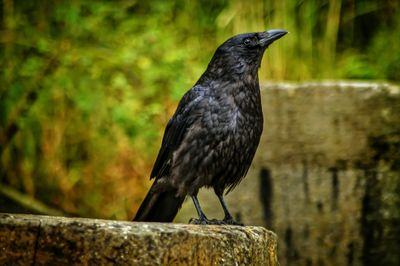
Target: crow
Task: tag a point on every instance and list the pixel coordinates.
(211, 139)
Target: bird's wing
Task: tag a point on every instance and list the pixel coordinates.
(176, 128)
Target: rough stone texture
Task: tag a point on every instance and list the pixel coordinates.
(326, 177)
(45, 240)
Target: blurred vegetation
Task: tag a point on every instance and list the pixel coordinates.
(88, 86)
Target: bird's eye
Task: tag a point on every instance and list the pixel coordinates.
(247, 41)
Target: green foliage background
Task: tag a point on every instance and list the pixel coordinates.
(86, 87)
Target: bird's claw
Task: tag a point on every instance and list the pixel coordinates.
(205, 221)
(217, 222)
(231, 221)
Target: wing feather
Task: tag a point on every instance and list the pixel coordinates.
(185, 115)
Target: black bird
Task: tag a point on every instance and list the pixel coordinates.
(211, 139)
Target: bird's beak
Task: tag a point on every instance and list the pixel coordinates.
(268, 37)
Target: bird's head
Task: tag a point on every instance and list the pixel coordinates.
(245, 51)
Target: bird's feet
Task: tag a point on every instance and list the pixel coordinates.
(231, 221)
(205, 221)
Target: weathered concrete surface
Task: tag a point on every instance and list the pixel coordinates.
(326, 177)
(45, 240)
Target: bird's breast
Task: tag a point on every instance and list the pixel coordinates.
(238, 127)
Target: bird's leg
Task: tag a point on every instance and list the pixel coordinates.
(228, 219)
(200, 212)
(202, 217)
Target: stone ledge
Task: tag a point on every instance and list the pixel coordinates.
(45, 240)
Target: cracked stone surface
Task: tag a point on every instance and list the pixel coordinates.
(44, 240)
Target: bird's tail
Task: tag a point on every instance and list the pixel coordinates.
(159, 206)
